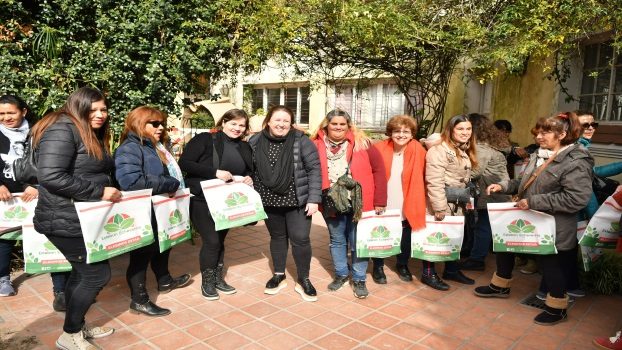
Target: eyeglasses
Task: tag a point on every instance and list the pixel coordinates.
(156, 123)
(403, 132)
(587, 125)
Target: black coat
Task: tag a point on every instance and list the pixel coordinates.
(66, 174)
(197, 160)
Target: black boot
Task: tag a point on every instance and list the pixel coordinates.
(148, 308)
(378, 275)
(208, 285)
(174, 283)
(551, 316)
(221, 285)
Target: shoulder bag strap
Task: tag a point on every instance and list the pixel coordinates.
(535, 174)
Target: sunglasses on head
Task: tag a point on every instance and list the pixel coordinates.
(587, 125)
(156, 123)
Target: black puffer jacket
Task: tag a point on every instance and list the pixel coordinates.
(307, 172)
(66, 174)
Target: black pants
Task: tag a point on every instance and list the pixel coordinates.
(570, 269)
(289, 224)
(402, 257)
(552, 267)
(84, 283)
(136, 274)
(212, 251)
(6, 248)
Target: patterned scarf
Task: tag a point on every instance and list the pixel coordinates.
(171, 165)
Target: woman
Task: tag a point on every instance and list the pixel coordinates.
(74, 164)
(448, 168)
(344, 150)
(404, 164)
(557, 181)
(143, 162)
(492, 169)
(215, 156)
(588, 127)
(287, 177)
(13, 133)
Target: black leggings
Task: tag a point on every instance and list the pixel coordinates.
(84, 283)
(136, 274)
(212, 251)
(285, 224)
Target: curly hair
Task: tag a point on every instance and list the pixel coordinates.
(486, 132)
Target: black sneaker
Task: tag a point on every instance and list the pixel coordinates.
(337, 283)
(59, 302)
(378, 275)
(360, 289)
(435, 282)
(175, 283)
(473, 265)
(275, 284)
(306, 290)
(492, 291)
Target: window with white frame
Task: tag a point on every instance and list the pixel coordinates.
(601, 85)
(294, 97)
(370, 106)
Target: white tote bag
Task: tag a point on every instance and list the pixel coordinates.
(603, 229)
(439, 240)
(521, 231)
(589, 255)
(14, 213)
(40, 255)
(111, 229)
(379, 236)
(173, 218)
(232, 204)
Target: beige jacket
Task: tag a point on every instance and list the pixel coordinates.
(445, 168)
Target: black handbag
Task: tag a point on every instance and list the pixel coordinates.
(603, 187)
(25, 168)
(457, 195)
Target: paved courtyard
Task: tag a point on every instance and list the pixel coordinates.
(398, 315)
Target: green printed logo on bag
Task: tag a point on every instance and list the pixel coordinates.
(118, 222)
(17, 212)
(380, 232)
(438, 238)
(174, 217)
(521, 226)
(49, 246)
(235, 199)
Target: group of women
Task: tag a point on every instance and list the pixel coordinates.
(293, 173)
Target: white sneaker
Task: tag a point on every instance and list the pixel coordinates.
(96, 332)
(74, 341)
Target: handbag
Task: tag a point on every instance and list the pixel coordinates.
(25, 168)
(458, 195)
(603, 187)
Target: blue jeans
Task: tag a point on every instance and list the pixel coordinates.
(482, 236)
(343, 232)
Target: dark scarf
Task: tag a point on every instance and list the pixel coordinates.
(278, 177)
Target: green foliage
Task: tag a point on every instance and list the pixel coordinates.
(605, 276)
(137, 52)
(202, 119)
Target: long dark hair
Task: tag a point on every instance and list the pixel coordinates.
(446, 136)
(486, 132)
(78, 109)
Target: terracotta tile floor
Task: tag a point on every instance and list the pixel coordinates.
(396, 316)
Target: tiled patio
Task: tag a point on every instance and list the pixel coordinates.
(398, 315)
